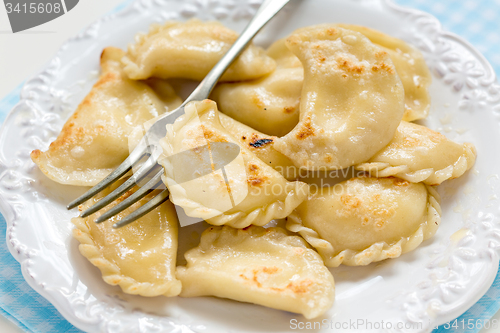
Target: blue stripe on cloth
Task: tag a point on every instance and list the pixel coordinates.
(13, 319)
(20, 303)
(474, 20)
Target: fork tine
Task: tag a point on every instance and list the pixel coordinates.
(133, 158)
(138, 195)
(143, 210)
(131, 182)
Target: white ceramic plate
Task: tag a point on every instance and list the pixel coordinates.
(429, 286)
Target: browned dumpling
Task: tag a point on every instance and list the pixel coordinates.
(261, 145)
(271, 104)
(352, 99)
(411, 67)
(419, 154)
(261, 266)
(363, 220)
(245, 191)
(94, 140)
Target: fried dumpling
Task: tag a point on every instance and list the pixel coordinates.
(241, 191)
(139, 257)
(411, 67)
(94, 140)
(261, 266)
(261, 145)
(189, 50)
(352, 99)
(269, 104)
(419, 154)
(363, 220)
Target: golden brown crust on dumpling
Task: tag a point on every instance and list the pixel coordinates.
(271, 104)
(254, 192)
(94, 140)
(365, 219)
(261, 266)
(261, 145)
(419, 154)
(352, 99)
(411, 67)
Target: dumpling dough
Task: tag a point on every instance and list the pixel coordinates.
(261, 266)
(352, 99)
(139, 257)
(270, 104)
(246, 191)
(189, 50)
(419, 154)
(411, 67)
(261, 145)
(94, 140)
(363, 220)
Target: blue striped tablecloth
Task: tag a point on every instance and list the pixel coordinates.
(477, 21)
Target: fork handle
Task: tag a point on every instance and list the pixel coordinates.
(266, 11)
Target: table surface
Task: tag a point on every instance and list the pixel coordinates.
(27, 52)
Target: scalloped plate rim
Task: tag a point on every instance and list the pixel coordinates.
(6, 209)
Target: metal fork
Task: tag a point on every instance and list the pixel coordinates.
(149, 145)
